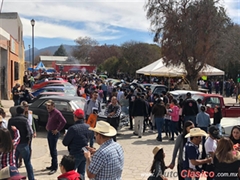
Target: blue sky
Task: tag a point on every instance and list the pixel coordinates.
(107, 21)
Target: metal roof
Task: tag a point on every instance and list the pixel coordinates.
(53, 58)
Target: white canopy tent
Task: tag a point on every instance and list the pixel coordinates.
(157, 68)
(151, 67)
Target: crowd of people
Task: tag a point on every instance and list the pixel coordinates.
(198, 143)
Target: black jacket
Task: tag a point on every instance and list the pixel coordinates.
(190, 107)
(21, 123)
(139, 108)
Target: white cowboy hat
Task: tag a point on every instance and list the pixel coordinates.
(104, 128)
(196, 132)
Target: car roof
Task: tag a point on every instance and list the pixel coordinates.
(55, 87)
(210, 95)
(161, 85)
(62, 97)
(52, 93)
(177, 92)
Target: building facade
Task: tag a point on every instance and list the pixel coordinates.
(12, 60)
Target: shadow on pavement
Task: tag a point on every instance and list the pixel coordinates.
(152, 142)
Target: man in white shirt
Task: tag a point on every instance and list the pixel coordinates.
(211, 146)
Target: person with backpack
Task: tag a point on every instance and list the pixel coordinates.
(89, 107)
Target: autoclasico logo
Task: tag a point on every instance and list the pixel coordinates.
(197, 174)
(191, 174)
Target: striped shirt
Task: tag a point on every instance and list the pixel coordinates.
(107, 162)
(8, 159)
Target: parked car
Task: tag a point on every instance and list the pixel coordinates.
(158, 88)
(42, 84)
(182, 94)
(63, 84)
(213, 100)
(70, 91)
(65, 104)
(48, 94)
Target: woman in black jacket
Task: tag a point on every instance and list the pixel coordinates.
(217, 116)
(158, 166)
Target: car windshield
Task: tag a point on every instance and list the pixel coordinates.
(70, 91)
(78, 104)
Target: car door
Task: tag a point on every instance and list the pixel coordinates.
(65, 108)
(42, 112)
(211, 103)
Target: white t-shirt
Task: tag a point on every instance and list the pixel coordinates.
(210, 145)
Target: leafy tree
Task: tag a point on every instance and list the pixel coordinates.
(188, 31)
(110, 65)
(84, 46)
(228, 51)
(61, 51)
(136, 55)
(99, 54)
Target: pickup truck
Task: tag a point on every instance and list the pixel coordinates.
(213, 100)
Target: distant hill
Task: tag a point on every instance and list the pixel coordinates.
(50, 49)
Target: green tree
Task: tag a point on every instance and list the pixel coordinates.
(228, 52)
(135, 55)
(188, 31)
(61, 51)
(111, 65)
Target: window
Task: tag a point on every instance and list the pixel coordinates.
(63, 106)
(212, 102)
(16, 71)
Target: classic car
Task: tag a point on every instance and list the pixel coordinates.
(65, 104)
(68, 90)
(42, 84)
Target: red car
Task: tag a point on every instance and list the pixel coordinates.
(40, 84)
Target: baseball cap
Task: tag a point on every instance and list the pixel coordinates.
(11, 173)
(214, 132)
(189, 94)
(79, 113)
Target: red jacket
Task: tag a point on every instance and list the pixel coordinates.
(70, 175)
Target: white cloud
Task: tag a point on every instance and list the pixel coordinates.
(99, 19)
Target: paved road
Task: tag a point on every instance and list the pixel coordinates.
(138, 152)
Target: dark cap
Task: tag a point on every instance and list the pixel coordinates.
(214, 132)
(189, 94)
(20, 110)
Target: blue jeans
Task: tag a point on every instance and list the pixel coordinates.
(190, 118)
(80, 163)
(52, 144)
(174, 125)
(16, 102)
(159, 123)
(24, 151)
(167, 127)
(91, 138)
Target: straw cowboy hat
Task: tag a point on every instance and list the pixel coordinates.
(156, 150)
(196, 132)
(104, 128)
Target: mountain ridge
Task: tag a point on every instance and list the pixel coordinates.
(50, 49)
